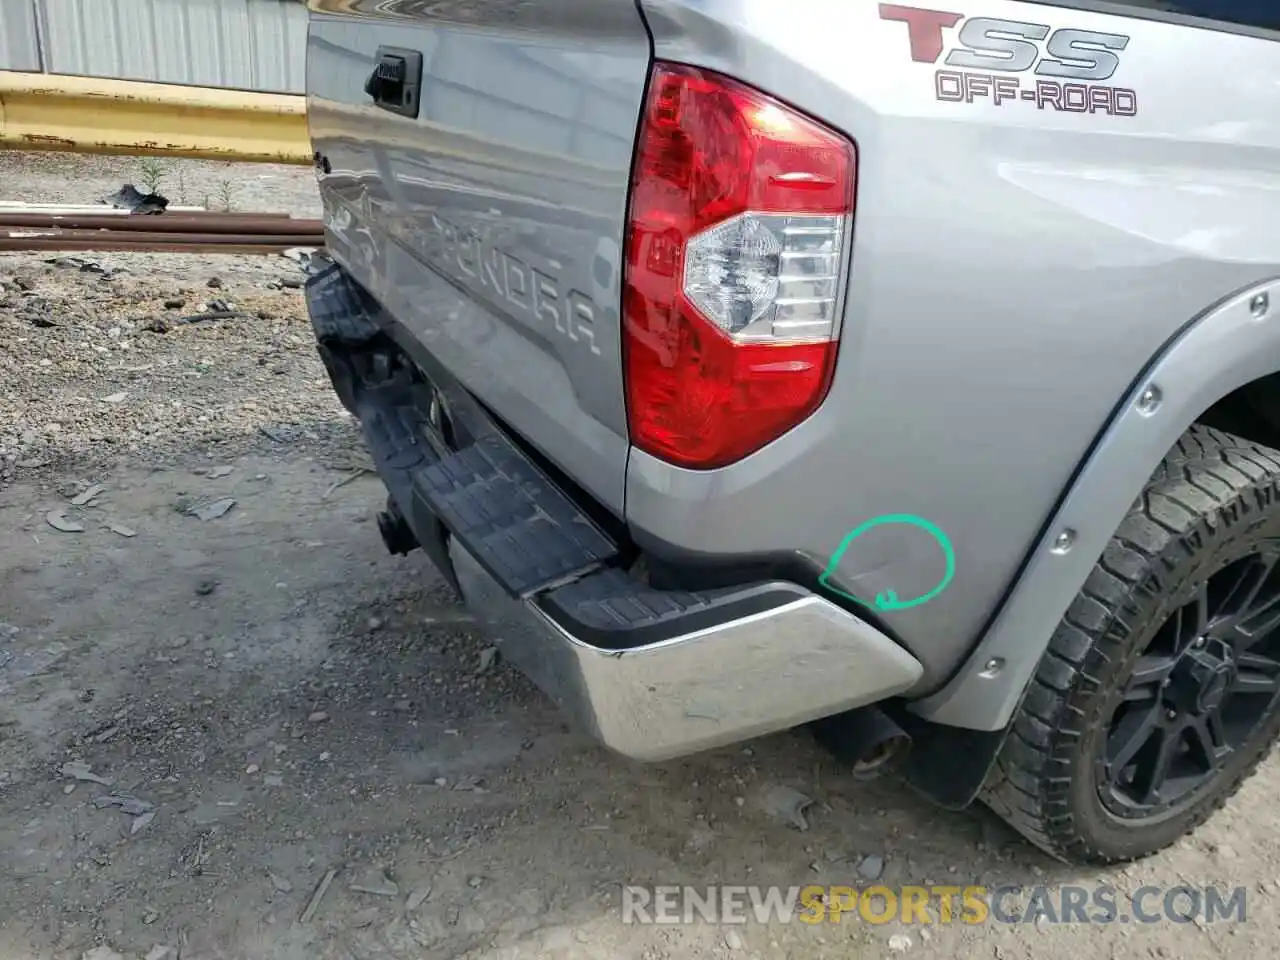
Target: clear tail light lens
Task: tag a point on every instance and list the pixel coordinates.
(740, 210)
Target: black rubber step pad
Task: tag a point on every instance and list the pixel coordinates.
(515, 523)
(337, 308)
(611, 610)
(394, 437)
(611, 600)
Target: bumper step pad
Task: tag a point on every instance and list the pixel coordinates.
(339, 310)
(393, 430)
(511, 519)
(497, 505)
(488, 495)
(613, 611)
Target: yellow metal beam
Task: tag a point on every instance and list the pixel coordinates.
(40, 111)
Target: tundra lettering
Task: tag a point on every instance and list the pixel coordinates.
(466, 258)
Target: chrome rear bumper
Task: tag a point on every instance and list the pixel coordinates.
(652, 673)
(717, 685)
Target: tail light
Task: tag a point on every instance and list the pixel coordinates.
(740, 212)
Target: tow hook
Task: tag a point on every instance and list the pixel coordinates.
(396, 534)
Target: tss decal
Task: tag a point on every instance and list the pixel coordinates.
(1068, 67)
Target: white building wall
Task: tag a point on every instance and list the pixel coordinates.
(19, 41)
(243, 44)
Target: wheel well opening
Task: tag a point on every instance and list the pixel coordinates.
(1251, 412)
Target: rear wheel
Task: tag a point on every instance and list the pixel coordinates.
(1158, 695)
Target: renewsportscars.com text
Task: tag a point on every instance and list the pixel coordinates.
(970, 905)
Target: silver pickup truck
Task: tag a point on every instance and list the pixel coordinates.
(905, 373)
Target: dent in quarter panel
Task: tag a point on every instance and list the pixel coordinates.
(491, 225)
(1014, 268)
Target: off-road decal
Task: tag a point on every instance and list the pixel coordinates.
(1004, 62)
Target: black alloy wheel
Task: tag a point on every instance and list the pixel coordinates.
(1203, 686)
(1159, 693)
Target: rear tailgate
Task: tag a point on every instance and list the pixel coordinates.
(491, 223)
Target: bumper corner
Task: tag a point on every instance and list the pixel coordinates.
(715, 685)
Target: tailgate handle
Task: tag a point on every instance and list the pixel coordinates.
(396, 80)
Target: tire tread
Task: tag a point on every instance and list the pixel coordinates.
(1209, 481)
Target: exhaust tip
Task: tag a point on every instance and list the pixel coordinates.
(867, 739)
(882, 756)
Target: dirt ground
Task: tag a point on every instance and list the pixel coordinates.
(208, 709)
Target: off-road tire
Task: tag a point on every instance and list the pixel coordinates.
(1212, 497)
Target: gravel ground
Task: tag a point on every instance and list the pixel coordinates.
(98, 366)
(272, 700)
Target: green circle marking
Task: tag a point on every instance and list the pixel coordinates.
(888, 599)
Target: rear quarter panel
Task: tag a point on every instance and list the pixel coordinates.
(1014, 268)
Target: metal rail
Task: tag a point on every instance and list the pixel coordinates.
(139, 245)
(167, 223)
(178, 232)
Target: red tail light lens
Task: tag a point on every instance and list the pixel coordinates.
(740, 212)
